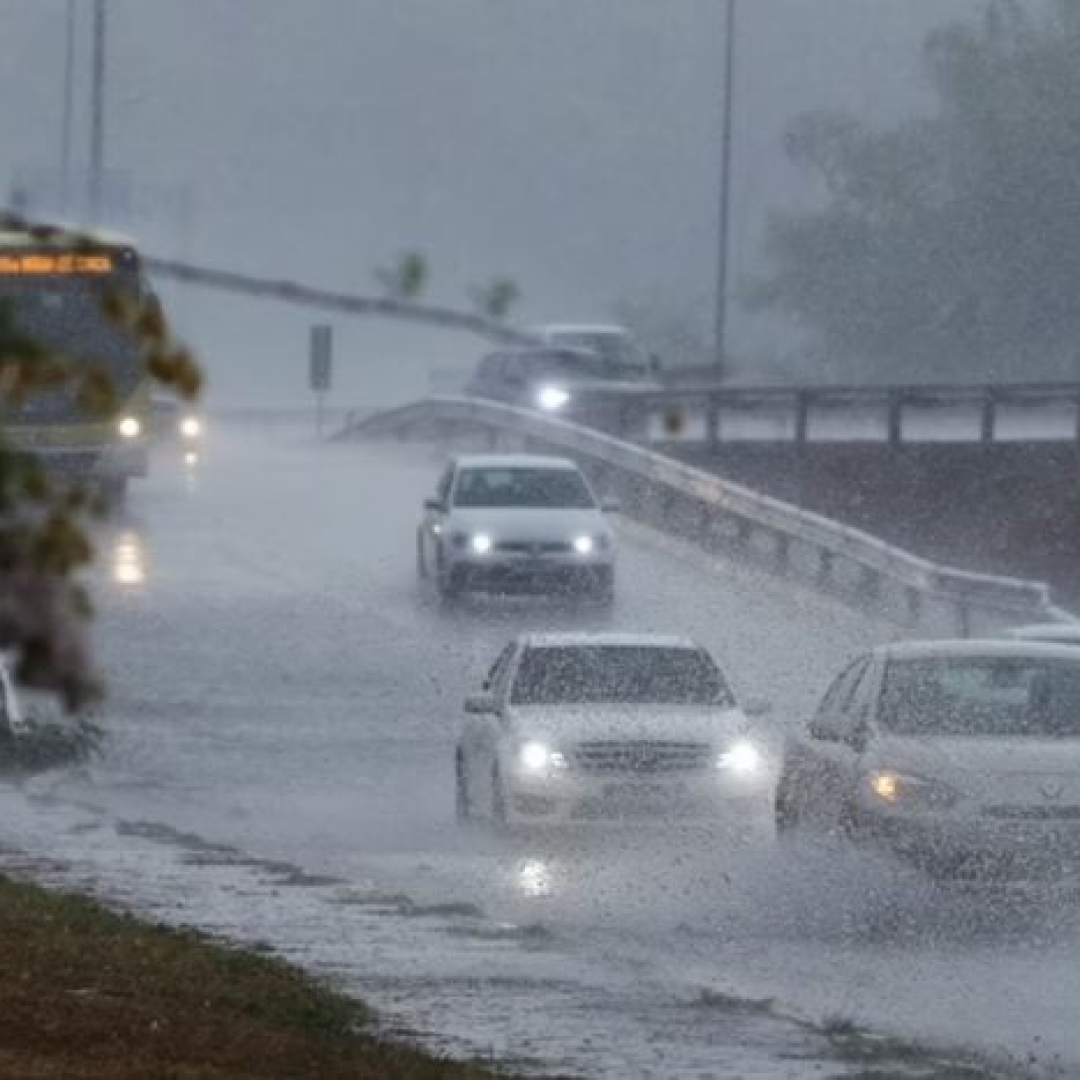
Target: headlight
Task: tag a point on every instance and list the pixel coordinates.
(552, 398)
(191, 427)
(481, 543)
(742, 758)
(191, 458)
(129, 427)
(891, 788)
(536, 757)
(584, 545)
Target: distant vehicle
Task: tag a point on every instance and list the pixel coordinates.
(57, 285)
(963, 756)
(619, 351)
(516, 522)
(545, 378)
(1063, 633)
(173, 425)
(583, 726)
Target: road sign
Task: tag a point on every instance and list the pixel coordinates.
(321, 368)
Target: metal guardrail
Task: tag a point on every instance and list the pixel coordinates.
(704, 507)
(713, 415)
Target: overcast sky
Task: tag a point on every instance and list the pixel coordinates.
(572, 145)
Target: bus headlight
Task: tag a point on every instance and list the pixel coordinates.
(190, 427)
(129, 427)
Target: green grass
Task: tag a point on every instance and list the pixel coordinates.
(89, 993)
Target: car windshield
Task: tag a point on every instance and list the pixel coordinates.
(531, 488)
(618, 353)
(638, 675)
(982, 696)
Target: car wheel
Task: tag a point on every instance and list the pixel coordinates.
(462, 802)
(498, 798)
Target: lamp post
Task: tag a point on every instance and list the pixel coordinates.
(69, 109)
(720, 359)
(97, 124)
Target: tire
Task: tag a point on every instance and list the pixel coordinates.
(462, 802)
(449, 586)
(498, 799)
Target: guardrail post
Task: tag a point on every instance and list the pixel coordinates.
(1078, 419)
(914, 605)
(783, 552)
(896, 419)
(870, 583)
(802, 416)
(712, 422)
(963, 618)
(826, 564)
(989, 417)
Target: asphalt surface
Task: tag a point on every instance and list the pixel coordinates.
(284, 705)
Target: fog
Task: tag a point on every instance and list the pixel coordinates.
(573, 146)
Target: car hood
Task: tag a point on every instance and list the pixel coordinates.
(565, 724)
(517, 524)
(1000, 770)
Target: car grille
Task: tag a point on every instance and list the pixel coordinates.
(1033, 813)
(533, 547)
(642, 758)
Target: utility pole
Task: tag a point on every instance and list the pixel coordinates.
(725, 194)
(69, 109)
(97, 128)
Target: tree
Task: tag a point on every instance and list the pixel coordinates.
(45, 522)
(495, 299)
(949, 245)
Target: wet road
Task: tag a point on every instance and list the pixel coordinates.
(284, 706)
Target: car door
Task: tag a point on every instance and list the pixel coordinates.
(829, 756)
(432, 527)
(482, 730)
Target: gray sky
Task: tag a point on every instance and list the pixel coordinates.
(570, 144)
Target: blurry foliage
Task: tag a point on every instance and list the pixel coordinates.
(947, 246)
(408, 279)
(495, 299)
(44, 520)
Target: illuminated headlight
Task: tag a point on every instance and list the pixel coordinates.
(584, 545)
(742, 758)
(536, 758)
(901, 790)
(191, 458)
(552, 398)
(191, 427)
(481, 544)
(129, 427)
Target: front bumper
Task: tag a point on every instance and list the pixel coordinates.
(566, 797)
(92, 462)
(977, 848)
(564, 576)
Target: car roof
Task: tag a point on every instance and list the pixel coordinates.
(991, 648)
(513, 461)
(590, 638)
(546, 352)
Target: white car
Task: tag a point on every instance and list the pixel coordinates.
(517, 522)
(585, 726)
(617, 348)
(961, 755)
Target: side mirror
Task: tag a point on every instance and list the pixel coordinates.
(480, 705)
(435, 506)
(757, 706)
(610, 506)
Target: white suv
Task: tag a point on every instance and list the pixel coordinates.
(585, 726)
(516, 522)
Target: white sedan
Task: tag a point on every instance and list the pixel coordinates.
(582, 726)
(516, 522)
(961, 755)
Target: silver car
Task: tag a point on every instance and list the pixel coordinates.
(962, 755)
(585, 726)
(517, 523)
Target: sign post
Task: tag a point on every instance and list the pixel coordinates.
(320, 369)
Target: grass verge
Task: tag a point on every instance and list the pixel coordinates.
(89, 993)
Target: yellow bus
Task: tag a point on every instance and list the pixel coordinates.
(54, 285)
